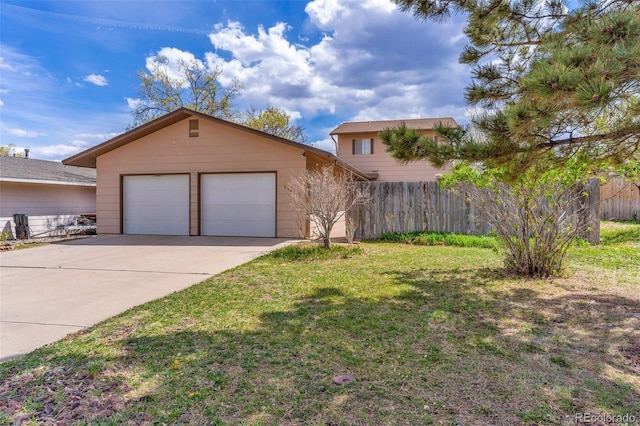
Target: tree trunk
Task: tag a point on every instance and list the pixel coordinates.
(326, 238)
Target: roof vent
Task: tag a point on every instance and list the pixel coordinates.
(26, 153)
(193, 128)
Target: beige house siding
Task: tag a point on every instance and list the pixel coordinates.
(380, 162)
(48, 205)
(218, 148)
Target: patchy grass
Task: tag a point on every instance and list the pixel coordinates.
(37, 242)
(311, 251)
(26, 245)
(432, 335)
(616, 259)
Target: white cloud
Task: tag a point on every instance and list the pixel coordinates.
(373, 62)
(4, 65)
(95, 137)
(23, 133)
(271, 69)
(293, 115)
(133, 103)
(323, 12)
(38, 112)
(96, 79)
(1, 103)
(172, 58)
(247, 49)
(58, 152)
(325, 144)
(54, 152)
(22, 74)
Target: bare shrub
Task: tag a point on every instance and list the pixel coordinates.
(322, 197)
(535, 224)
(350, 229)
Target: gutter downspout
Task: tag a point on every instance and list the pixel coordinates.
(335, 142)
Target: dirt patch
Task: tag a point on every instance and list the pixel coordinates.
(62, 395)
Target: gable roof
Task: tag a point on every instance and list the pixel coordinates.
(378, 126)
(88, 157)
(28, 170)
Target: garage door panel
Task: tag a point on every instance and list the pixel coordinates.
(242, 180)
(151, 227)
(238, 204)
(232, 198)
(241, 228)
(230, 195)
(240, 212)
(156, 205)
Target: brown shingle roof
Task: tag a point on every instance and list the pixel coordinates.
(378, 126)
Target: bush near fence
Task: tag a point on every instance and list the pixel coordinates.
(425, 206)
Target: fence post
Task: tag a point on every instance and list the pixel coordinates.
(593, 211)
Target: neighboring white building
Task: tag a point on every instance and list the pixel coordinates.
(51, 194)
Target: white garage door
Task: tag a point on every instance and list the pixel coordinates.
(238, 204)
(156, 204)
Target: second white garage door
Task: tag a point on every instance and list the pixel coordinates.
(238, 204)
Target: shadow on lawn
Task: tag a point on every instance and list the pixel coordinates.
(454, 346)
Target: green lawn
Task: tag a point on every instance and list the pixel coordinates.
(432, 335)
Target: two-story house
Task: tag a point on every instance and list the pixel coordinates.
(359, 145)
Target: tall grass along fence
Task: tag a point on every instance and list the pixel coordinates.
(425, 206)
(620, 200)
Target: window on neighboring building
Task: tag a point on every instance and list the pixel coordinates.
(193, 128)
(362, 146)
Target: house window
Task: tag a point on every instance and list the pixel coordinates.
(362, 146)
(193, 128)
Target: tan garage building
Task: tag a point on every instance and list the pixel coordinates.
(187, 173)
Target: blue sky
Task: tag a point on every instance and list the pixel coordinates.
(67, 68)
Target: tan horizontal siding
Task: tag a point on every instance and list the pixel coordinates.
(219, 148)
(388, 168)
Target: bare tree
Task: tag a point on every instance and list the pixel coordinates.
(10, 151)
(192, 85)
(167, 86)
(323, 196)
(274, 121)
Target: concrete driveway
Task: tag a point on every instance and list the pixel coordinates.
(50, 291)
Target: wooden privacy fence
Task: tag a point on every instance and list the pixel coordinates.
(620, 200)
(425, 206)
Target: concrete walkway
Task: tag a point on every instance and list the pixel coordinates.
(50, 291)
